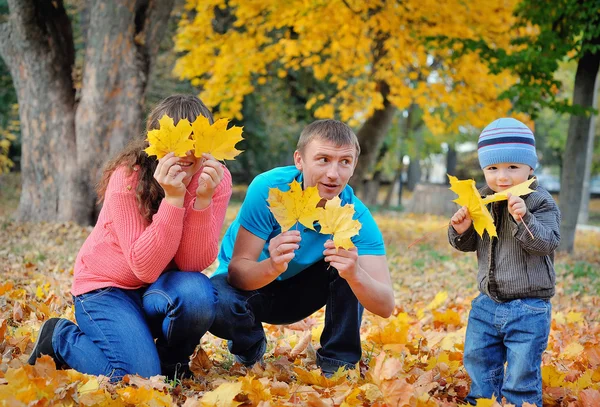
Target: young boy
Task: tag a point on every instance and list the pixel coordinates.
(509, 321)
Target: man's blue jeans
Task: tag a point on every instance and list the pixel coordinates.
(240, 314)
(116, 327)
(515, 332)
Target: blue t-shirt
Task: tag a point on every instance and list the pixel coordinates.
(255, 216)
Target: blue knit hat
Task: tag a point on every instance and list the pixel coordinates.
(506, 140)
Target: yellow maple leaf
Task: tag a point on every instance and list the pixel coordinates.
(216, 139)
(316, 378)
(223, 396)
(469, 196)
(295, 205)
(337, 220)
(519, 190)
(255, 390)
(169, 138)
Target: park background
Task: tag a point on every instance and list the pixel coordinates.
(417, 80)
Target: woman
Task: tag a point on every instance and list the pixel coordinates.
(138, 276)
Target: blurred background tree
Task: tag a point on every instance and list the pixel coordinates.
(416, 80)
(80, 71)
(374, 58)
(550, 33)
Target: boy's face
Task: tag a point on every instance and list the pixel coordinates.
(326, 166)
(505, 175)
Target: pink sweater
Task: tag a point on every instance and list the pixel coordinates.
(125, 251)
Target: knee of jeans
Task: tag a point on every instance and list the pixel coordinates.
(194, 288)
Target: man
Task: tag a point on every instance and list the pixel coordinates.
(280, 278)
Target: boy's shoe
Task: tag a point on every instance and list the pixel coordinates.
(257, 355)
(43, 344)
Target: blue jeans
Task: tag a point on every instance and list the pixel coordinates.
(515, 332)
(240, 314)
(116, 327)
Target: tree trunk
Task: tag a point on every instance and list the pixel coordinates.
(571, 184)
(370, 136)
(122, 43)
(36, 44)
(390, 193)
(372, 186)
(65, 145)
(451, 159)
(584, 210)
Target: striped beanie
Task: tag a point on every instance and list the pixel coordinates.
(506, 140)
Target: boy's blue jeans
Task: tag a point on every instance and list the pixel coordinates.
(240, 315)
(116, 327)
(515, 332)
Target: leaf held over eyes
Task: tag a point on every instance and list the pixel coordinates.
(216, 139)
(337, 220)
(295, 205)
(169, 138)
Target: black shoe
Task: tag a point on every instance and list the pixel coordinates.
(43, 344)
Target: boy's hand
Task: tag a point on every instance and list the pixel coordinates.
(516, 207)
(461, 221)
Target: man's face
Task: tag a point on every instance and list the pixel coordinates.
(326, 166)
(505, 175)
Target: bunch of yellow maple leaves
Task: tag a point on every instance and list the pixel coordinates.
(302, 206)
(199, 136)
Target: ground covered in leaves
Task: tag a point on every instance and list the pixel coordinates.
(413, 358)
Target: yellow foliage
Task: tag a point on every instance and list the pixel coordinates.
(337, 220)
(356, 47)
(295, 205)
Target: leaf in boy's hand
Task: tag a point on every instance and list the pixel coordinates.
(337, 220)
(169, 138)
(216, 139)
(469, 196)
(517, 190)
(295, 205)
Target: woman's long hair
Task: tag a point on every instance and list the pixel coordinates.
(149, 193)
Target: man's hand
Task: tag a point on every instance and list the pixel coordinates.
(461, 220)
(344, 261)
(210, 178)
(281, 250)
(516, 207)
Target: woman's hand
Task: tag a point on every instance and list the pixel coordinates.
(170, 177)
(210, 178)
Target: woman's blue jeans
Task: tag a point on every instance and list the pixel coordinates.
(116, 328)
(515, 332)
(240, 315)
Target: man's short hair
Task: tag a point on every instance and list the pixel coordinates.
(334, 131)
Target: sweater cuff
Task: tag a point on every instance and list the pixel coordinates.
(199, 217)
(169, 215)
